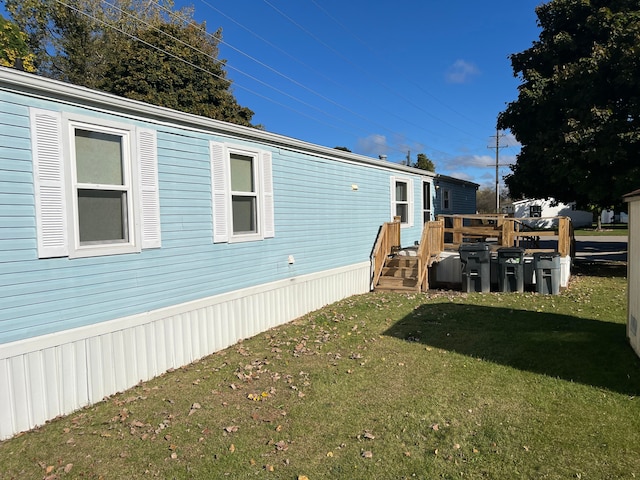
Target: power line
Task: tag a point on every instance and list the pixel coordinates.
(177, 57)
(384, 127)
(385, 59)
(373, 77)
(286, 77)
(187, 62)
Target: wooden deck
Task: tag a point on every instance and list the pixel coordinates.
(393, 272)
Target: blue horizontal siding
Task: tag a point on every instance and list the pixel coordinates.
(463, 198)
(320, 220)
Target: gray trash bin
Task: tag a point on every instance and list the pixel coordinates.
(475, 259)
(547, 268)
(511, 269)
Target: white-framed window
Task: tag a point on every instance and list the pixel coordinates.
(446, 199)
(96, 186)
(242, 193)
(402, 200)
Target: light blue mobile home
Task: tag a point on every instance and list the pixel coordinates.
(135, 239)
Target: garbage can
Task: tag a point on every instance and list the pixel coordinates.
(511, 269)
(475, 259)
(547, 269)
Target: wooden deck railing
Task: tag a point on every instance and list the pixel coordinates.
(509, 232)
(431, 245)
(515, 229)
(388, 237)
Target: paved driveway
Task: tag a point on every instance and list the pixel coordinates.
(601, 248)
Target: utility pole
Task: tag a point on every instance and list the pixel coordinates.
(408, 158)
(497, 147)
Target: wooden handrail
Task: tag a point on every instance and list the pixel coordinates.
(388, 237)
(509, 230)
(431, 244)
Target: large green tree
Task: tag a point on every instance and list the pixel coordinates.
(14, 51)
(486, 199)
(424, 163)
(577, 114)
(134, 48)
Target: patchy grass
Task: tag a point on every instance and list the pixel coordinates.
(442, 385)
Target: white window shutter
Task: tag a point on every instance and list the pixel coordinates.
(220, 192)
(149, 194)
(267, 195)
(49, 185)
(393, 198)
(411, 219)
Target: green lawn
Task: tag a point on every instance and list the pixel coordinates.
(380, 386)
(607, 230)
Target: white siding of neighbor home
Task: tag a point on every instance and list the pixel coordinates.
(633, 273)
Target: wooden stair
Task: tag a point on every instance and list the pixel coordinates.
(399, 274)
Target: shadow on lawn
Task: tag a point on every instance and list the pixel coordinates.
(599, 269)
(575, 349)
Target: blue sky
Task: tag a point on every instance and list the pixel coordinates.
(422, 76)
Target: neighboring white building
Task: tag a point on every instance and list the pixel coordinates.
(550, 208)
(609, 216)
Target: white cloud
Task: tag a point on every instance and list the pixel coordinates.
(462, 176)
(509, 140)
(472, 161)
(373, 145)
(461, 72)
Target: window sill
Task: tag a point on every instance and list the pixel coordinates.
(86, 251)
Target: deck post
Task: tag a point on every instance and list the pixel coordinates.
(507, 233)
(457, 227)
(564, 240)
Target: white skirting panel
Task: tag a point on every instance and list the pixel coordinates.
(52, 375)
(449, 269)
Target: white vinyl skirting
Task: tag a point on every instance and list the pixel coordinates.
(52, 375)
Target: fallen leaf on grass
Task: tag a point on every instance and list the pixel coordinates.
(303, 477)
(367, 454)
(368, 435)
(232, 448)
(269, 468)
(231, 429)
(282, 446)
